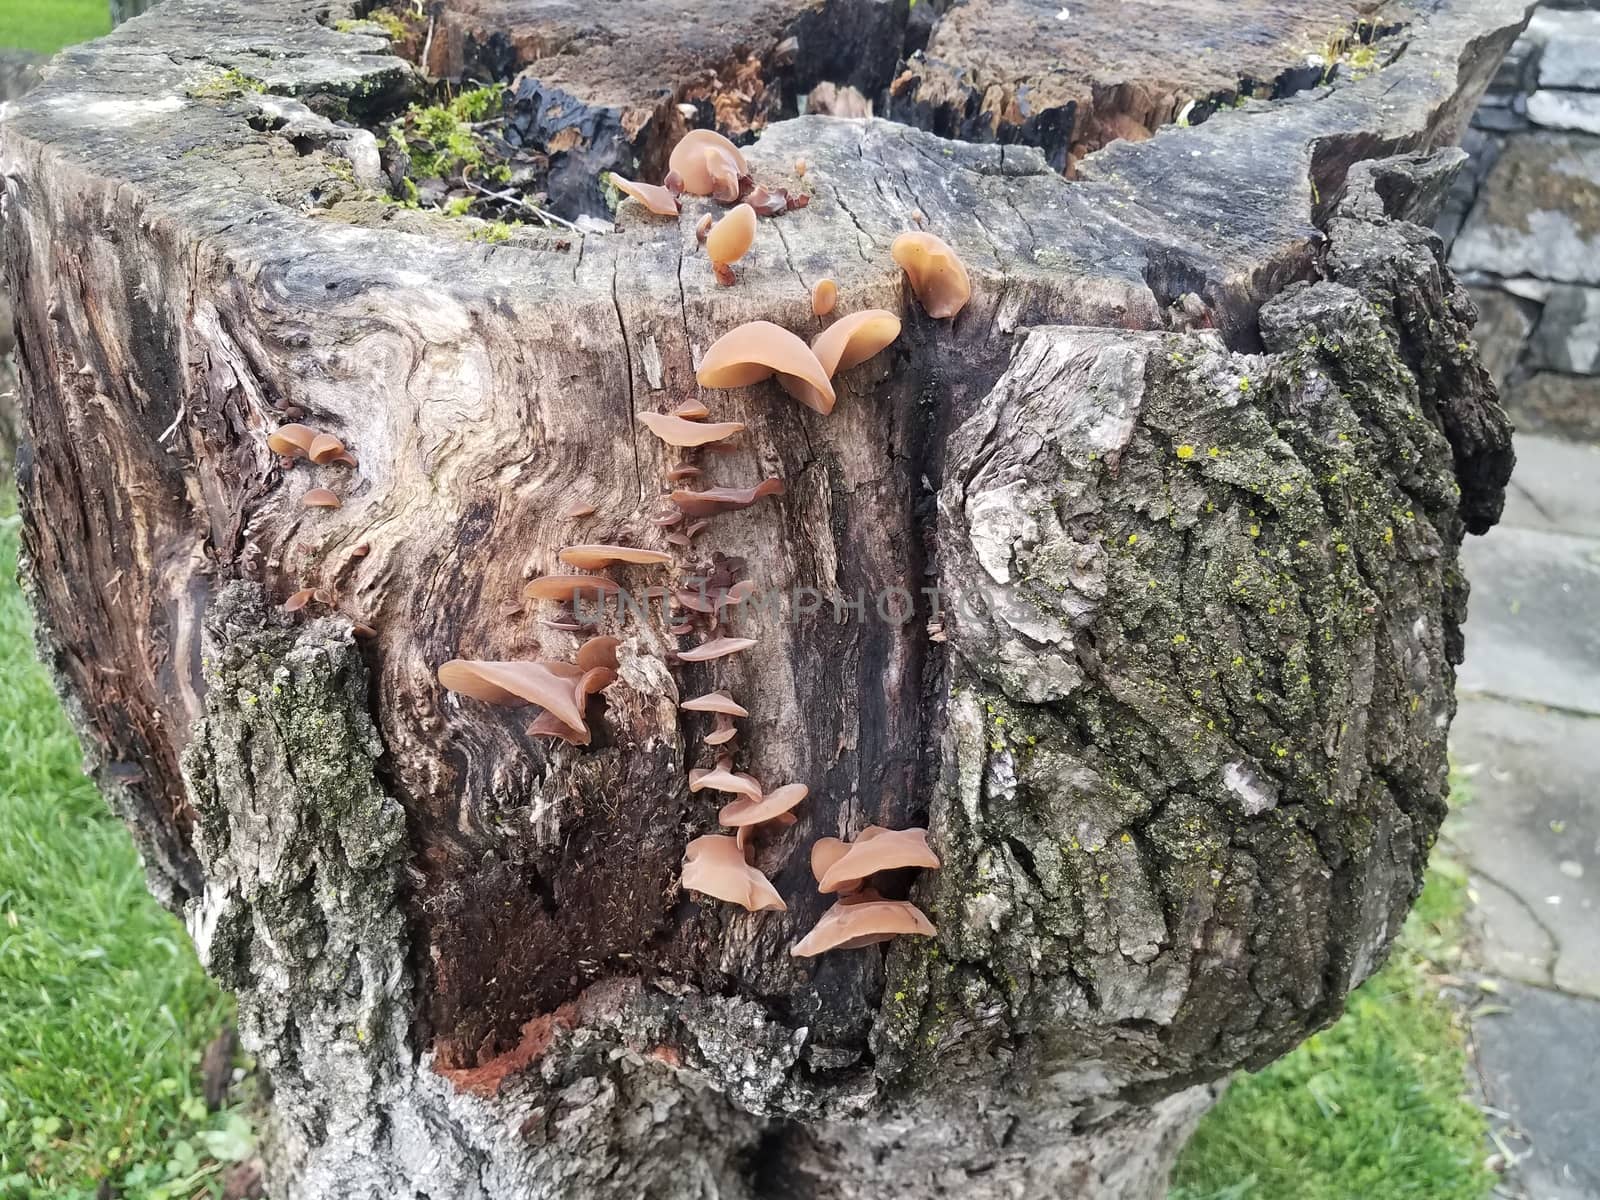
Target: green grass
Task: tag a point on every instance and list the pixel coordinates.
(104, 1010)
(1374, 1108)
(45, 26)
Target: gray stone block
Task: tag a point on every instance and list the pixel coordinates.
(1555, 403)
(1538, 212)
(1568, 334)
(1556, 486)
(1504, 323)
(1566, 110)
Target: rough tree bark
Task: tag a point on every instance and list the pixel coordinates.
(1190, 473)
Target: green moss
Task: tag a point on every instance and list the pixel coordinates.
(440, 140)
(225, 84)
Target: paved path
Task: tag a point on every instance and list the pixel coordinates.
(1528, 736)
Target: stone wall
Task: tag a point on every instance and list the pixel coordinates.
(1525, 223)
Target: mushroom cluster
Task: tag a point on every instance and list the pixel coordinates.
(861, 916)
(294, 441)
(563, 690)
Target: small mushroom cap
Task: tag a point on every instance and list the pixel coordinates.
(724, 779)
(854, 339)
(716, 702)
(708, 501)
(324, 448)
(745, 834)
(850, 925)
(292, 440)
(937, 276)
(579, 509)
(691, 410)
(555, 687)
(547, 724)
(722, 735)
(679, 431)
(299, 600)
(714, 866)
(769, 807)
(823, 297)
(824, 853)
(754, 351)
(730, 239)
(716, 648)
(878, 849)
(567, 588)
(657, 199)
(594, 557)
(709, 164)
(321, 498)
(598, 652)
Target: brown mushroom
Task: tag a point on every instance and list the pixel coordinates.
(363, 631)
(324, 449)
(555, 687)
(878, 849)
(745, 834)
(709, 165)
(320, 498)
(676, 431)
(598, 653)
(757, 350)
(656, 199)
(597, 557)
(723, 733)
(292, 440)
(715, 702)
(702, 228)
(567, 588)
(824, 853)
(361, 550)
(730, 239)
(691, 410)
(823, 297)
(852, 340)
(937, 276)
(580, 509)
(850, 925)
(299, 600)
(677, 474)
(716, 648)
(548, 725)
(724, 779)
(714, 866)
(768, 807)
(710, 501)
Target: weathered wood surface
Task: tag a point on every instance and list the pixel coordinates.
(1180, 743)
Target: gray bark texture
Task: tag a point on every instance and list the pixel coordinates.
(1190, 474)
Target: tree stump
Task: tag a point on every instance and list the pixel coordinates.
(1136, 582)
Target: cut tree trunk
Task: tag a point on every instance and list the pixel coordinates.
(1136, 582)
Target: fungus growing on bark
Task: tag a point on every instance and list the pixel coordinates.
(716, 648)
(324, 449)
(730, 240)
(546, 725)
(824, 853)
(755, 351)
(292, 440)
(716, 500)
(702, 228)
(852, 340)
(577, 510)
(709, 165)
(691, 410)
(722, 778)
(658, 200)
(363, 631)
(877, 849)
(745, 834)
(361, 550)
(723, 732)
(768, 807)
(714, 865)
(715, 702)
(852, 924)
(937, 276)
(823, 297)
(567, 588)
(598, 557)
(555, 687)
(678, 431)
(678, 474)
(299, 600)
(598, 653)
(321, 498)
